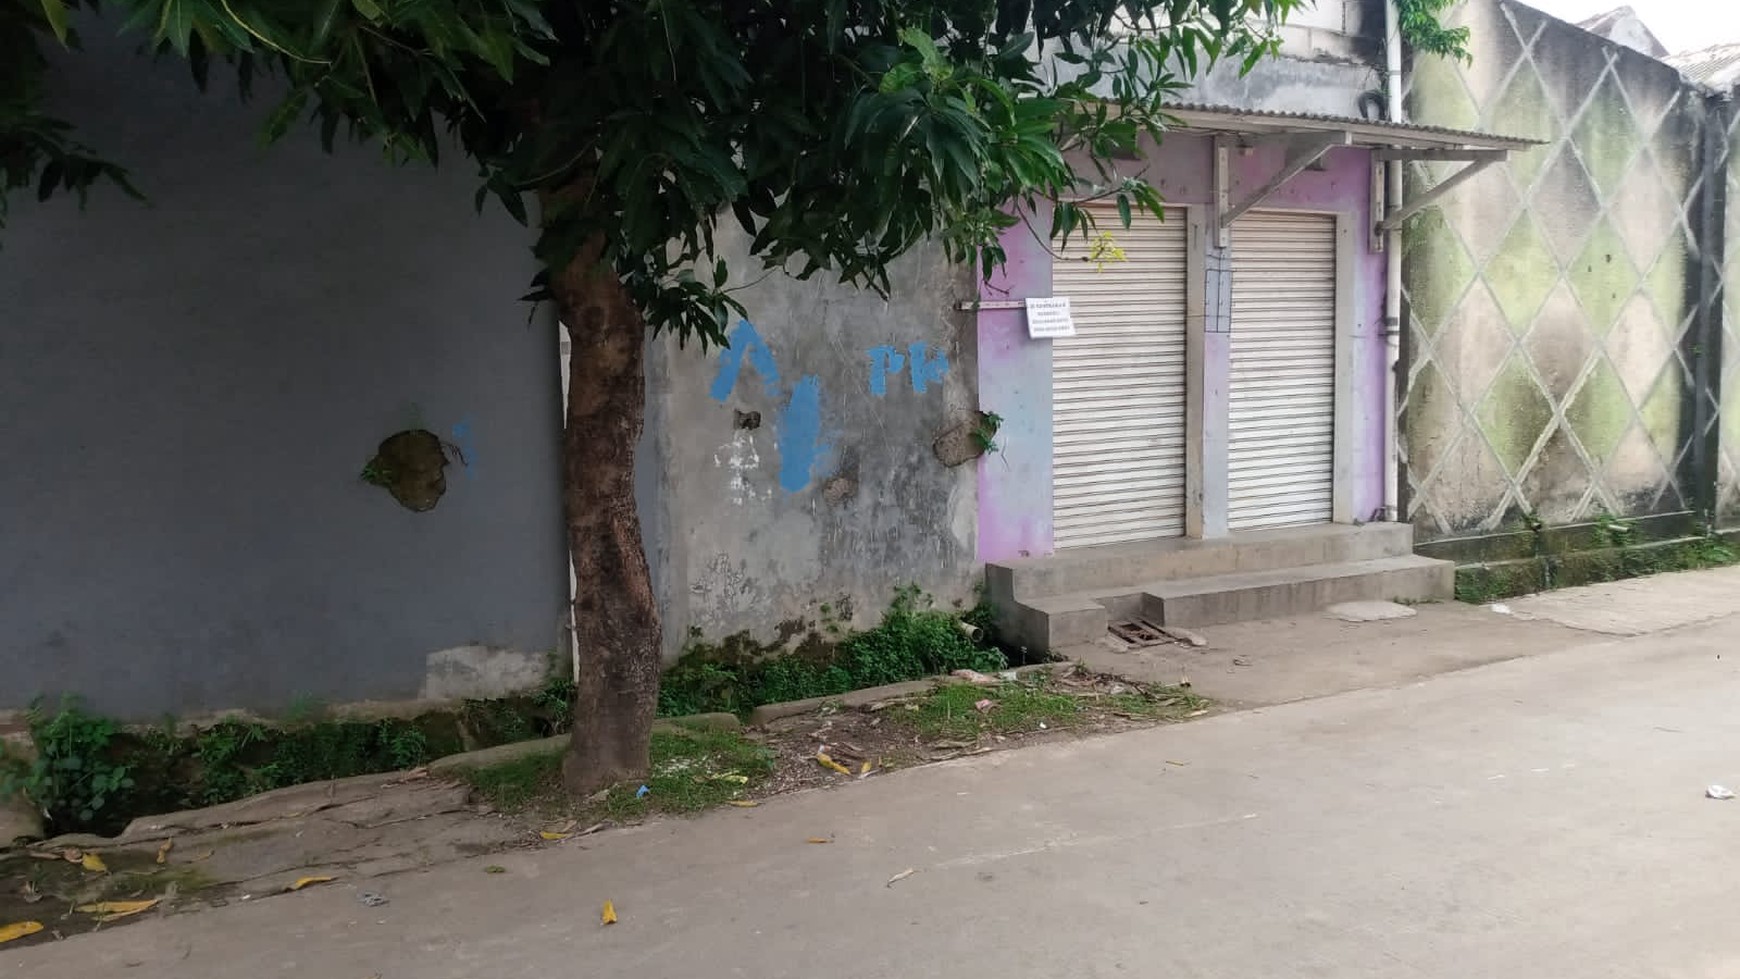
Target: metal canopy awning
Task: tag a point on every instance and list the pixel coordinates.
(1308, 136)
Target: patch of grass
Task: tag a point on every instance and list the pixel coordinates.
(952, 713)
(914, 640)
(693, 771)
(516, 785)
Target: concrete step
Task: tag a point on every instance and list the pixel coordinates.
(1251, 595)
(1090, 570)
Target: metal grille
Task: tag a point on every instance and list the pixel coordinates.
(1118, 389)
(1280, 461)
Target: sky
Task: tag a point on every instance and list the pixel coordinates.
(1682, 25)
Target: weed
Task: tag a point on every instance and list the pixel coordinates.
(913, 640)
(984, 434)
(693, 771)
(515, 785)
(952, 712)
(74, 777)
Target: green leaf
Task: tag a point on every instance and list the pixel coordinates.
(369, 9)
(54, 11)
(1124, 209)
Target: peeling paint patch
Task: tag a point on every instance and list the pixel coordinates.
(741, 458)
(482, 671)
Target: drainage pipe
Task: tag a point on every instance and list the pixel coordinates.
(1393, 262)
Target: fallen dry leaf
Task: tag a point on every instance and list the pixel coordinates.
(73, 854)
(163, 851)
(202, 855)
(742, 803)
(609, 915)
(18, 929)
(110, 910)
(94, 864)
(1180, 764)
(595, 827)
(302, 882)
(823, 760)
(732, 777)
(1196, 713)
(495, 869)
(817, 839)
(897, 878)
(554, 837)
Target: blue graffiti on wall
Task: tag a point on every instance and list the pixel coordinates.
(797, 428)
(926, 368)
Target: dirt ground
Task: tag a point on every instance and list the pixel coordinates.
(353, 832)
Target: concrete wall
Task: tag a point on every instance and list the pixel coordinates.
(1015, 371)
(191, 388)
(1551, 301)
(795, 470)
(1728, 436)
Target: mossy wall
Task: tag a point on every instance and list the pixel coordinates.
(1553, 302)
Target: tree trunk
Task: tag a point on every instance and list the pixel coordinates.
(616, 615)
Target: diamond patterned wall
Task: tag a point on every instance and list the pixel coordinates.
(1728, 418)
(1550, 297)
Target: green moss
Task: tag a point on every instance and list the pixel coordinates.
(1521, 274)
(1607, 137)
(1439, 270)
(1602, 277)
(1514, 414)
(1600, 411)
(1523, 109)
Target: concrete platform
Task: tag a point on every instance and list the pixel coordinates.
(1072, 597)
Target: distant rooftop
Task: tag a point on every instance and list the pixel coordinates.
(1621, 25)
(1717, 66)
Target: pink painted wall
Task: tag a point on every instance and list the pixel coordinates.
(1015, 372)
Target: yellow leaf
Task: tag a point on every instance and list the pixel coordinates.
(94, 864)
(864, 769)
(609, 915)
(163, 851)
(18, 929)
(302, 882)
(742, 803)
(553, 837)
(830, 764)
(817, 839)
(110, 910)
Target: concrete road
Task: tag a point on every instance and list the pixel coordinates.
(1541, 817)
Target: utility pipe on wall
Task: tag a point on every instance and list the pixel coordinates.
(1393, 262)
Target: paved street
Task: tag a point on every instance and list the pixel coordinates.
(1542, 816)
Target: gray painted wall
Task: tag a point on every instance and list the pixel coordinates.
(836, 498)
(190, 390)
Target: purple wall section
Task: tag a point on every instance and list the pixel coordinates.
(1015, 382)
(1015, 372)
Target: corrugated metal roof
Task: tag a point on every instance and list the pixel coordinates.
(1717, 66)
(1236, 119)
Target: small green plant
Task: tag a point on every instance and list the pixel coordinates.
(1611, 531)
(376, 475)
(913, 640)
(73, 778)
(984, 433)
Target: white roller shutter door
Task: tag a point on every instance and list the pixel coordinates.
(1118, 389)
(1281, 456)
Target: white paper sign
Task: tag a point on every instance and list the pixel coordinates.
(1048, 318)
